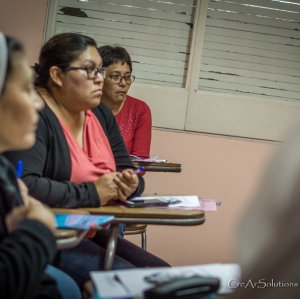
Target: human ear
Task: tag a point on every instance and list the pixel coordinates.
(55, 74)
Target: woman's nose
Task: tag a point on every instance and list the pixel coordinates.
(122, 81)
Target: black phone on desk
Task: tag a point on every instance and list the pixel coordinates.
(194, 287)
(147, 202)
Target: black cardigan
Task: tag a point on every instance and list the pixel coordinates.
(47, 166)
(24, 253)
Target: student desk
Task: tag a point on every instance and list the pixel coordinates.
(158, 166)
(158, 216)
(68, 238)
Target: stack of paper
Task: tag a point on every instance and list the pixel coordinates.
(132, 283)
(185, 202)
(151, 159)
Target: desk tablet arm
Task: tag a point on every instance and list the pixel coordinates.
(184, 288)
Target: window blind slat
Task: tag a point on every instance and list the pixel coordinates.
(276, 5)
(252, 74)
(252, 49)
(250, 19)
(158, 61)
(254, 82)
(256, 40)
(252, 59)
(153, 69)
(255, 11)
(248, 90)
(159, 77)
(242, 65)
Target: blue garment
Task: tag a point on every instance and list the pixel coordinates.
(122, 228)
(65, 284)
(86, 257)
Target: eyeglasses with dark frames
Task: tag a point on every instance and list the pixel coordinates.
(91, 72)
(118, 78)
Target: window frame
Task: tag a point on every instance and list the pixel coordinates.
(190, 109)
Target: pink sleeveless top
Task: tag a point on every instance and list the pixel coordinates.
(96, 157)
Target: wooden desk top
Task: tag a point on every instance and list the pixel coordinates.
(166, 213)
(158, 167)
(147, 215)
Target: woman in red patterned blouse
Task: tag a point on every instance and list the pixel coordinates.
(133, 115)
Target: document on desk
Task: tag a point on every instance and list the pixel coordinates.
(184, 202)
(151, 159)
(132, 283)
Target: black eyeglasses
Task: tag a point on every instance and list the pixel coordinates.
(91, 72)
(118, 78)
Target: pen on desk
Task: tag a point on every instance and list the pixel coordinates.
(140, 169)
(19, 169)
(118, 279)
(175, 201)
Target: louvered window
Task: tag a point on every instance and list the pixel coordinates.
(228, 67)
(252, 48)
(157, 34)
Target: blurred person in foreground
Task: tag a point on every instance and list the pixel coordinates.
(27, 243)
(269, 235)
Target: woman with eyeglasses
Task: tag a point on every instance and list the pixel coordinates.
(133, 115)
(79, 158)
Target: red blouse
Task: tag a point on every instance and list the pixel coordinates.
(96, 157)
(135, 122)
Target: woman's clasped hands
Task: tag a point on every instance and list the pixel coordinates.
(116, 185)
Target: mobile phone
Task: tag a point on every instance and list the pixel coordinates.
(146, 202)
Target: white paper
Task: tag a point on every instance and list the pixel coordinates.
(151, 159)
(185, 201)
(133, 283)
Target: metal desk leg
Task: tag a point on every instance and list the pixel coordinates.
(111, 247)
(144, 240)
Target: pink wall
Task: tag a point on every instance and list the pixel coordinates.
(25, 20)
(225, 169)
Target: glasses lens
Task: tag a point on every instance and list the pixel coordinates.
(118, 78)
(115, 78)
(131, 78)
(128, 79)
(92, 73)
(102, 71)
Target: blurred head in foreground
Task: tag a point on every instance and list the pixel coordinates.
(269, 236)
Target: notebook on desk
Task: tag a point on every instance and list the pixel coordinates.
(184, 202)
(150, 159)
(84, 222)
(132, 283)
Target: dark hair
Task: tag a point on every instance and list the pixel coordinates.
(61, 50)
(113, 55)
(13, 46)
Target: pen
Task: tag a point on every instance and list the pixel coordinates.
(19, 169)
(118, 279)
(140, 169)
(175, 201)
